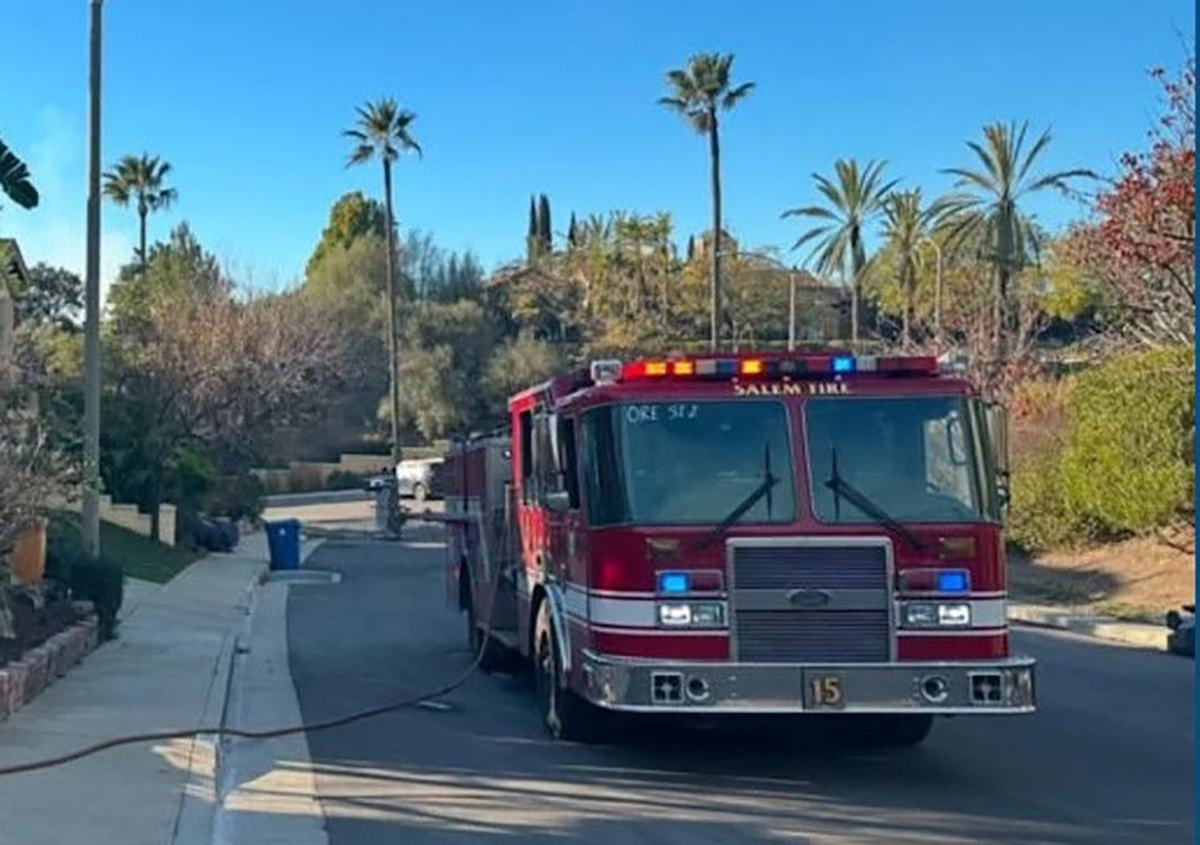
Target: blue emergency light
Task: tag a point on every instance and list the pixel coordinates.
(843, 364)
(674, 582)
(952, 582)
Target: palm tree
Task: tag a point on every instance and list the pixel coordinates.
(992, 211)
(383, 132)
(139, 179)
(14, 179)
(905, 226)
(698, 92)
(854, 199)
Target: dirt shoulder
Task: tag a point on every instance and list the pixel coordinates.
(1136, 580)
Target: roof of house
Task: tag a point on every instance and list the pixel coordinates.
(516, 272)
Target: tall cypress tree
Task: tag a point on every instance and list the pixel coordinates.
(572, 234)
(691, 247)
(532, 238)
(545, 232)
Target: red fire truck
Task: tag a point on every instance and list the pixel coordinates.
(773, 533)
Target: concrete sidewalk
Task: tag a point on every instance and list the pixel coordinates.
(168, 669)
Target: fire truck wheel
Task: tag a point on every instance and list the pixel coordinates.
(894, 731)
(565, 715)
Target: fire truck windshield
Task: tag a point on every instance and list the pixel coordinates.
(687, 462)
(913, 457)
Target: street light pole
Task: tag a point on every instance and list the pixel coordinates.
(937, 288)
(91, 372)
(792, 310)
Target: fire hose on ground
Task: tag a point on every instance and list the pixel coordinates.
(242, 733)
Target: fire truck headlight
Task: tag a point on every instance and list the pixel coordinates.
(954, 615)
(674, 615)
(709, 614)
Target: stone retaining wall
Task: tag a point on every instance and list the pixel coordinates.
(23, 680)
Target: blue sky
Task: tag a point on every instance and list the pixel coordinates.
(247, 100)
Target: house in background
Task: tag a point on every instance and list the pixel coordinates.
(13, 273)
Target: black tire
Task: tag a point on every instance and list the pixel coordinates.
(419, 493)
(901, 730)
(493, 653)
(564, 714)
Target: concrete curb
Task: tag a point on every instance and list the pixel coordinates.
(21, 681)
(202, 800)
(1138, 634)
(200, 797)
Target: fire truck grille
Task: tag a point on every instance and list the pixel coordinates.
(809, 567)
(815, 636)
(808, 603)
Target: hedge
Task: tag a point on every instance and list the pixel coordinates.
(1125, 464)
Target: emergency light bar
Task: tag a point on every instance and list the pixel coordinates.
(763, 366)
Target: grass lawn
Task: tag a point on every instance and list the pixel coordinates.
(141, 557)
(137, 556)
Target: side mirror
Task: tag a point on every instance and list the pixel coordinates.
(997, 424)
(557, 501)
(997, 430)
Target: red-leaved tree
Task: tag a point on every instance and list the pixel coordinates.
(1141, 245)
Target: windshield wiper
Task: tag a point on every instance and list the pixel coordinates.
(860, 500)
(764, 489)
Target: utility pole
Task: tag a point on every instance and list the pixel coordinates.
(91, 370)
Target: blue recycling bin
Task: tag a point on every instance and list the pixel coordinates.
(283, 540)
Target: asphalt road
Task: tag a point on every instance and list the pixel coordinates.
(1108, 758)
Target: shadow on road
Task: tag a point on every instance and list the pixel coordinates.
(483, 770)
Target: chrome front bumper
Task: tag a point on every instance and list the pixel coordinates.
(949, 688)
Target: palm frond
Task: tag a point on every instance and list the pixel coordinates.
(809, 235)
(732, 98)
(810, 211)
(360, 154)
(163, 198)
(1034, 151)
(970, 177)
(1058, 180)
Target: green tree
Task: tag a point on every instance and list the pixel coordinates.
(140, 180)
(383, 131)
(1005, 177)
(698, 92)
(52, 296)
(178, 267)
(352, 216)
(14, 179)
(142, 426)
(347, 282)
(447, 348)
(855, 198)
(516, 364)
(905, 228)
